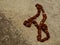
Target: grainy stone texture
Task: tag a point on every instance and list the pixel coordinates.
(14, 12)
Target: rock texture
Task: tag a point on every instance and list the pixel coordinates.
(14, 12)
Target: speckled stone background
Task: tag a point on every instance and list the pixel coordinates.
(14, 12)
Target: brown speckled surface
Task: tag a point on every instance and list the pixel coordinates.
(14, 12)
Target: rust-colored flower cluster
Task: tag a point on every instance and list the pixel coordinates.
(41, 26)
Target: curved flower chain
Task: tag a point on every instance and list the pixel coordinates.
(41, 26)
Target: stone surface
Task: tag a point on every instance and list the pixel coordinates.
(14, 12)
